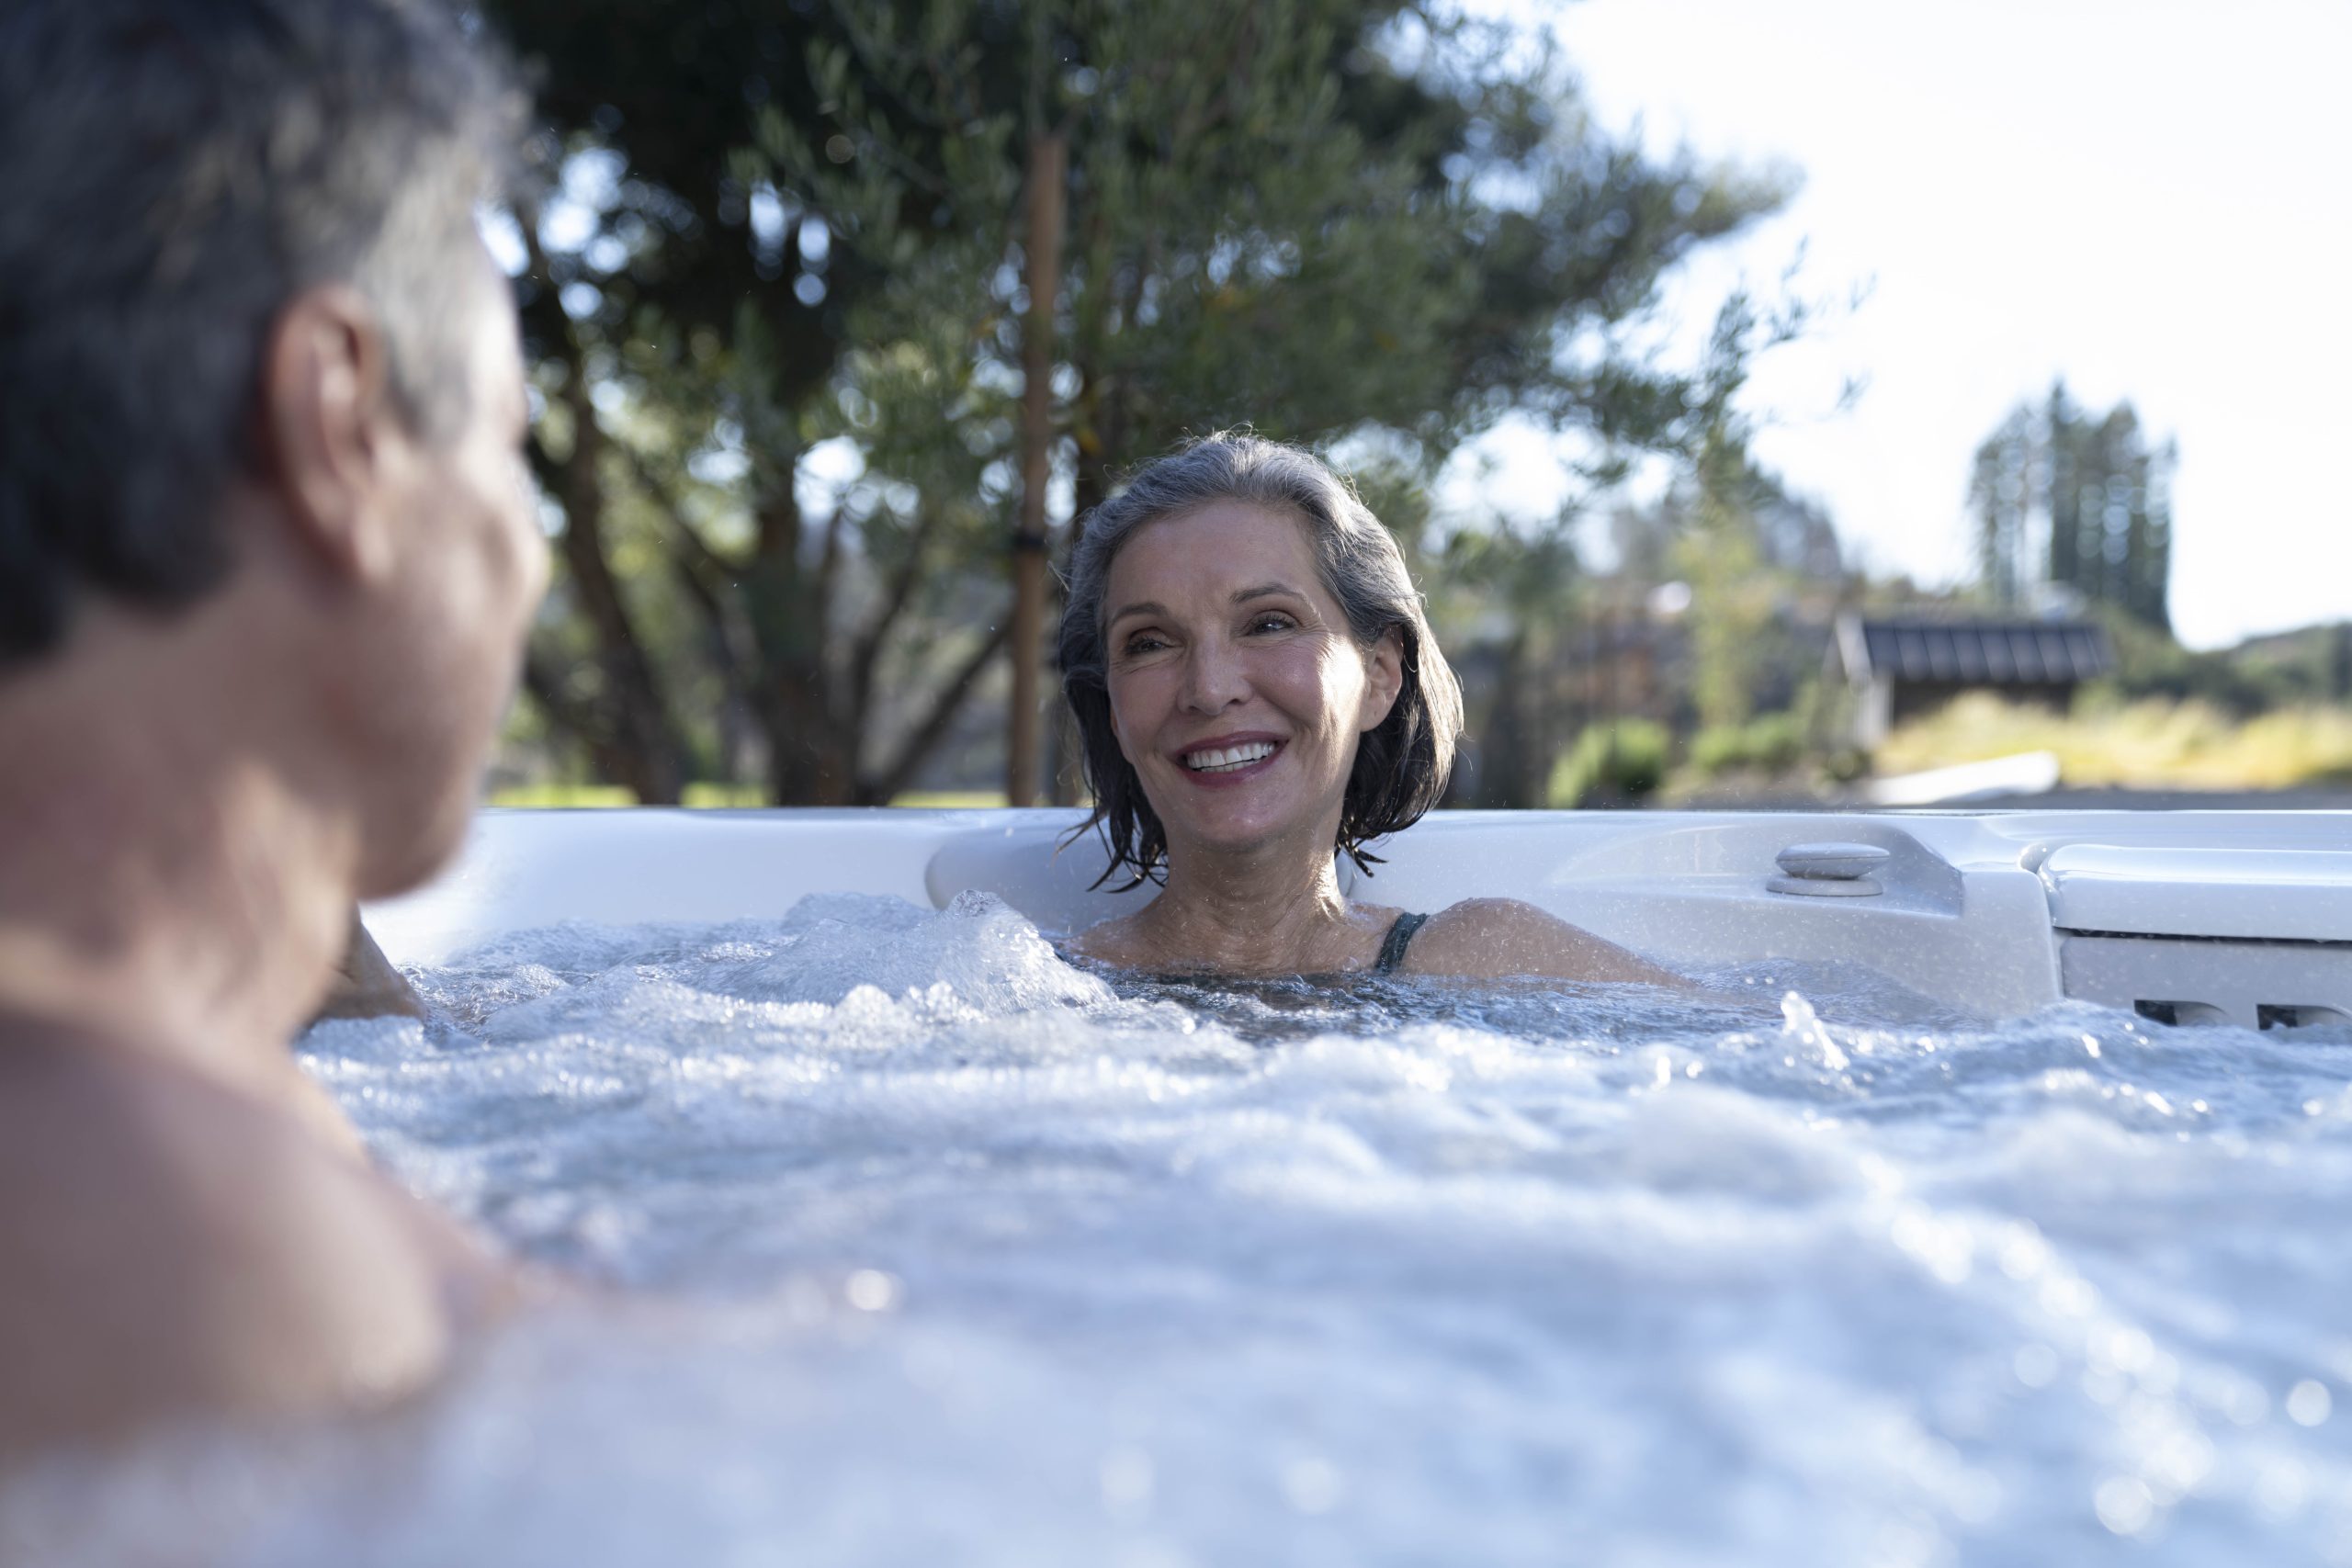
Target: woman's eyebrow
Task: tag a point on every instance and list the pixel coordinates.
(1241, 596)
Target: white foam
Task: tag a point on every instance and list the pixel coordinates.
(950, 1251)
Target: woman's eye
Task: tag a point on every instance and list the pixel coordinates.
(1145, 643)
(1272, 623)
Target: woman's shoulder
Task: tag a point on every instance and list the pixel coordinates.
(1115, 942)
(1460, 933)
(1496, 938)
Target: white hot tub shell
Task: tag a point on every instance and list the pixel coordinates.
(2189, 916)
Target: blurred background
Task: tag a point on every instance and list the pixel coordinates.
(1787, 405)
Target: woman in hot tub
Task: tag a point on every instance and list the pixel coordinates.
(1258, 692)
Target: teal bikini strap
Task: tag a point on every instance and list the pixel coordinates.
(1400, 937)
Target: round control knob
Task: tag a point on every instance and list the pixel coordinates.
(1829, 871)
(1831, 862)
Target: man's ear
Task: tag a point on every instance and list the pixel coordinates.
(327, 414)
(1383, 670)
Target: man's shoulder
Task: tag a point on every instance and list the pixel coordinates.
(177, 1245)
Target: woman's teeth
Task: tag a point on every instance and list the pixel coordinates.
(1225, 759)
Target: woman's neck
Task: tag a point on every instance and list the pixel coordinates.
(1273, 910)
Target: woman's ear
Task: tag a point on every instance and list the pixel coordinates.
(1384, 670)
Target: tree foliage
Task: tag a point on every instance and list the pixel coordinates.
(789, 228)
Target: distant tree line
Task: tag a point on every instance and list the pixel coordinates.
(2094, 494)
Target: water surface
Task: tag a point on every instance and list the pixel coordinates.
(937, 1248)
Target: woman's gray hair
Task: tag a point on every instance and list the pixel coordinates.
(1401, 767)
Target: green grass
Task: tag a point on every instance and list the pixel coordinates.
(706, 793)
(2152, 744)
(564, 796)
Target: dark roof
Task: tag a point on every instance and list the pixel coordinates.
(1979, 653)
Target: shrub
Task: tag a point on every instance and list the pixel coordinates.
(2149, 744)
(1771, 744)
(1610, 763)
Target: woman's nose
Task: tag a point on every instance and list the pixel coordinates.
(1214, 678)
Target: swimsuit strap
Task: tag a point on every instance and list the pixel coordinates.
(1400, 937)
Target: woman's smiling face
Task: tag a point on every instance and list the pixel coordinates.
(1238, 692)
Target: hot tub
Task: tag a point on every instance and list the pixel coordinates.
(2190, 917)
(1920, 1239)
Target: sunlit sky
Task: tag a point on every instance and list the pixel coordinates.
(2151, 198)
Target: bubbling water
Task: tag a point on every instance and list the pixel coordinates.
(936, 1246)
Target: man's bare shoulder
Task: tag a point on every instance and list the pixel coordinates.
(1495, 937)
(176, 1246)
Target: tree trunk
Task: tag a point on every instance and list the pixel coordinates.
(644, 750)
(1048, 173)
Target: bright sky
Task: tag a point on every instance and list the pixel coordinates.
(2152, 199)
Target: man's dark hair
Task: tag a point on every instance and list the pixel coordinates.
(1401, 766)
(173, 173)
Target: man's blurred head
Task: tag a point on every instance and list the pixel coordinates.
(252, 351)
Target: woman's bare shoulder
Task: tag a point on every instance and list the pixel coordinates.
(1498, 938)
(1115, 941)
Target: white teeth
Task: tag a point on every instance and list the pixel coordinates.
(1225, 759)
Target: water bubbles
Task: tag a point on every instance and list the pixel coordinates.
(2104, 1385)
(2068, 1296)
(2282, 1489)
(2181, 1462)
(1944, 1247)
(1313, 1485)
(1127, 1478)
(870, 1289)
(2126, 1348)
(2124, 1505)
(2309, 1403)
(1400, 1272)
(1881, 1176)
(1804, 1026)
(2022, 1252)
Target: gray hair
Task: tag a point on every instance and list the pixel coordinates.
(1401, 767)
(172, 174)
